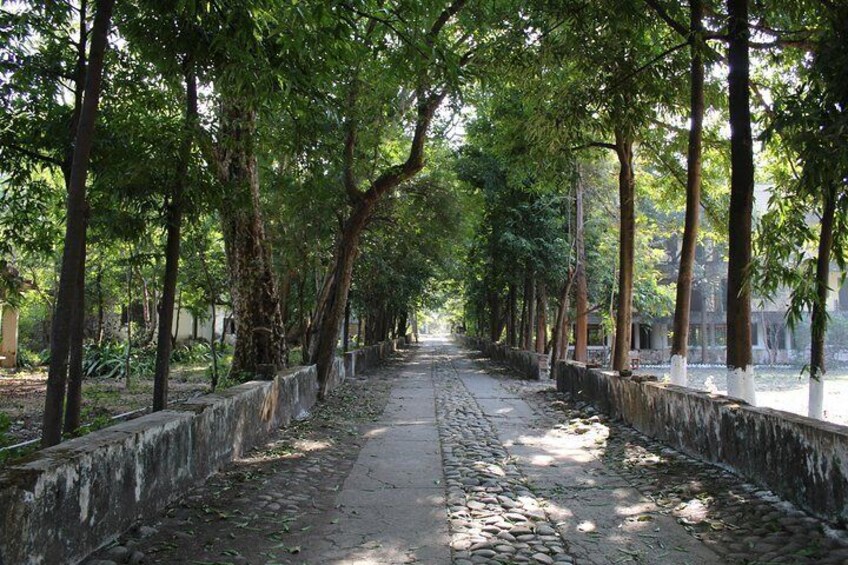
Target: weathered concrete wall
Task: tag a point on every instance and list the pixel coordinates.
(370, 356)
(529, 364)
(62, 503)
(800, 459)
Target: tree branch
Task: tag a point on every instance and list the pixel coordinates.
(33, 154)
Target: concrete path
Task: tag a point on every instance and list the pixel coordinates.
(445, 458)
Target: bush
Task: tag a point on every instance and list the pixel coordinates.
(192, 352)
(28, 359)
(109, 359)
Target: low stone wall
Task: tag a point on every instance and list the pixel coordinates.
(529, 364)
(370, 356)
(62, 503)
(800, 459)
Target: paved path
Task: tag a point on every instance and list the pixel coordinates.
(442, 458)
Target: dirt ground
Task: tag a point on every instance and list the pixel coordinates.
(22, 398)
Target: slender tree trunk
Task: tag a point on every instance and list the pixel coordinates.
(740, 370)
(541, 317)
(164, 344)
(683, 302)
(212, 349)
(72, 256)
(511, 333)
(495, 313)
(260, 339)
(177, 314)
(531, 315)
(359, 330)
(331, 313)
(627, 236)
(818, 328)
(100, 313)
(73, 404)
(127, 363)
(581, 298)
(560, 338)
(346, 329)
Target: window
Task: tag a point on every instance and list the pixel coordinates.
(755, 335)
(694, 336)
(645, 332)
(596, 334)
(720, 334)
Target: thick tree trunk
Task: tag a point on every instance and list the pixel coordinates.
(581, 292)
(541, 317)
(740, 370)
(72, 256)
(818, 328)
(627, 236)
(683, 302)
(495, 314)
(172, 250)
(260, 339)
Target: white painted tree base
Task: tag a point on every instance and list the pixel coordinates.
(740, 384)
(815, 408)
(679, 374)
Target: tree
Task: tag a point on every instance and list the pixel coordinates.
(740, 370)
(73, 259)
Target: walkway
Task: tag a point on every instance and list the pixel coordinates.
(443, 458)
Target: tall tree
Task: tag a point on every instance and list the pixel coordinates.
(683, 302)
(73, 255)
(740, 369)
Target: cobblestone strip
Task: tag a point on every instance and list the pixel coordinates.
(739, 521)
(494, 515)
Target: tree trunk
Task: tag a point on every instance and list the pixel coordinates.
(531, 315)
(72, 256)
(330, 314)
(100, 313)
(740, 370)
(127, 364)
(818, 328)
(73, 404)
(511, 333)
(683, 302)
(212, 349)
(346, 329)
(260, 339)
(541, 317)
(495, 314)
(560, 338)
(177, 313)
(164, 344)
(627, 235)
(581, 298)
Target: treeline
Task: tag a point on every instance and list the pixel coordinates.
(298, 164)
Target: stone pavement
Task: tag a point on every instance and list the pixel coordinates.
(443, 458)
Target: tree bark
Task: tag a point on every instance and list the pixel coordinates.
(72, 255)
(172, 248)
(581, 298)
(260, 339)
(683, 302)
(560, 338)
(627, 236)
(346, 330)
(541, 317)
(740, 377)
(818, 328)
(73, 404)
(511, 333)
